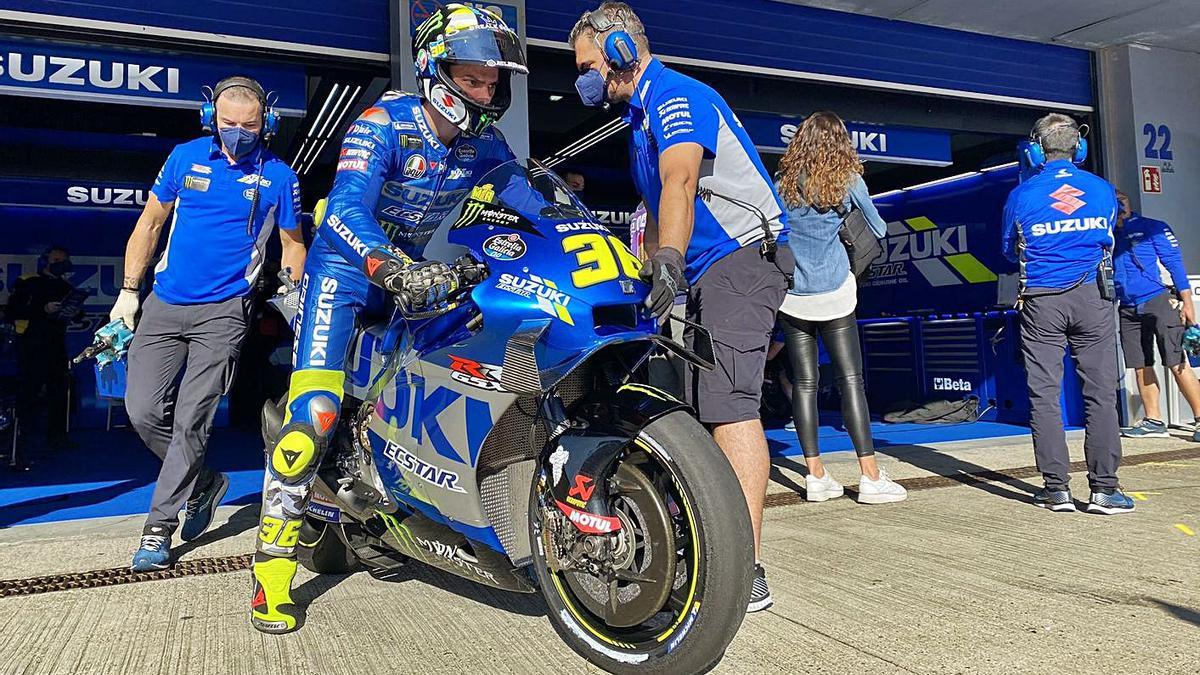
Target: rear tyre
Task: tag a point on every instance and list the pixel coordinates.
(632, 619)
(322, 550)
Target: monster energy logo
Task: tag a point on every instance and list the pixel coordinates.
(940, 255)
(434, 22)
(470, 213)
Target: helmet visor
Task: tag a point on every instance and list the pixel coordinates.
(498, 49)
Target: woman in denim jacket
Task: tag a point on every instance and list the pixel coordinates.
(819, 171)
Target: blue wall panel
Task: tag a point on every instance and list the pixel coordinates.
(776, 35)
(359, 25)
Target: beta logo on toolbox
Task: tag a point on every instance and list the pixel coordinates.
(589, 523)
(951, 384)
(504, 247)
(475, 374)
(415, 166)
(427, 472)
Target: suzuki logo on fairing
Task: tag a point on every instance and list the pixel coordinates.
(429, 473)
(322, 323)
(78, 72)
(77, 194)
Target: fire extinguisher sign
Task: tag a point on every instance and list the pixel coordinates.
(1151, 180)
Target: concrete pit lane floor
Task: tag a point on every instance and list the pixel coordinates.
(965, 577)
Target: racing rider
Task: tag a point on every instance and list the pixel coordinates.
(404, 165)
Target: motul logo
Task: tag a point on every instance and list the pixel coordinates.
(590, 523)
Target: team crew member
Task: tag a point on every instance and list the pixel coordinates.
(1058, 226)
(226, 193)
(39, 309)
(718, 224)
(1148, 315)
(405, 164)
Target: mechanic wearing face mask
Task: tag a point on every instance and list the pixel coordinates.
(227, 193)
(40, 310)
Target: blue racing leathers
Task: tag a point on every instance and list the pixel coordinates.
(1142, 244)
(394, 185)
(1057, 226)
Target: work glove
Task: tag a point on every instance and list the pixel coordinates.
(126, 308)
(664, 273)
(418, 286)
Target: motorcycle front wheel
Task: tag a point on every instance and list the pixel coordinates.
(668, 591)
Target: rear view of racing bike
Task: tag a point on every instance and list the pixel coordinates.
(507, 439)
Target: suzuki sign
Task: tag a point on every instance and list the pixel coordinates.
(62, 71)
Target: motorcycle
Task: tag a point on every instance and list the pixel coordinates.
(508, 438)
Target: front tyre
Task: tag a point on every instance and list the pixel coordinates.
(668, 590)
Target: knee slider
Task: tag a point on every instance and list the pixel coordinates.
(298, 449)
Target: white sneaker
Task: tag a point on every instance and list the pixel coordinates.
(882, 491)
(822, 489)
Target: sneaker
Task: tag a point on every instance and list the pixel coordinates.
(1147, 428)
(884, 490)
(271, 608)
(790, 426)
(198, 514)
(153, 554)
(1110, 503)
(1055, 500)
(1196, 435)
(760, 593)
(822, 489)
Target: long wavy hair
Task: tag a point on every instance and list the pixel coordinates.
(820, 163)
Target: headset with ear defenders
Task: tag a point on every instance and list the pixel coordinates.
(1035, 155)
(619, 48)
(208, 110)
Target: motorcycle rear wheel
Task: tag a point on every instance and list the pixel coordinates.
(713, 567)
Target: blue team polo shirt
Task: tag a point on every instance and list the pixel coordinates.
(213, 254)
(669, 108)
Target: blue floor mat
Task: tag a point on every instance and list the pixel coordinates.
(832, 437)
(112, 473)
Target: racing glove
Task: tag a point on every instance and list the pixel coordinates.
(418, 286)
(126, 308)
(664, 273)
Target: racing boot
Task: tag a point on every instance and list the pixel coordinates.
(271, 607)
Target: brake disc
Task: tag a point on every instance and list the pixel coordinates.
(643, 561)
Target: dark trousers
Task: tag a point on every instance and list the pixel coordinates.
(44, 368)
(1082, 319)
(840, 337)
(172, 415)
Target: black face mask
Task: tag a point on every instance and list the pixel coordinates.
(60, 268)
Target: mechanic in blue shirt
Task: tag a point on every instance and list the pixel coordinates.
(716, 225)
(224, 195)
(1149, 313)
(405, 164)
(1058, 226)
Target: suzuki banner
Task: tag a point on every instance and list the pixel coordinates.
(88, 73)
(898, 145)
(942, 250)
